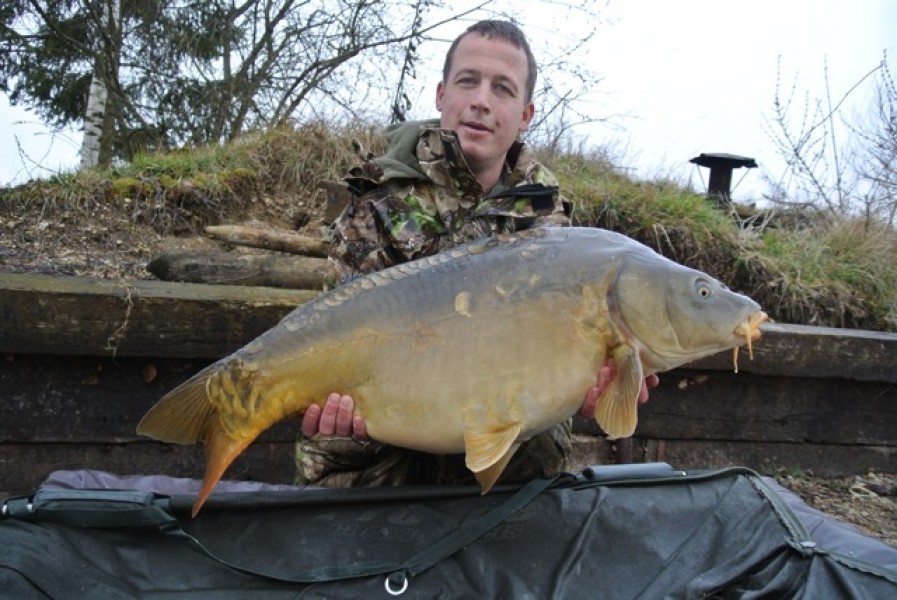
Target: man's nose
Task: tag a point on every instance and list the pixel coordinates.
(482, 97)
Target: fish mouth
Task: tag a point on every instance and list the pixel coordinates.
(749, 329)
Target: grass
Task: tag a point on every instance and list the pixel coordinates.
(832, 272)
(837, 273)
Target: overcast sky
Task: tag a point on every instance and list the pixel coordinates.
(700, 75)
(684, 76)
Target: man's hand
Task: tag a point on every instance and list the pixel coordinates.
(605, 375)
(336, 418)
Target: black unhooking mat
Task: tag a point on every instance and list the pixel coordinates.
(601, 534)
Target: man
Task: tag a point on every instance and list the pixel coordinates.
(442, 183)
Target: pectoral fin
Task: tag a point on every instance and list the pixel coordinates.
(617, 412)
(488, 453)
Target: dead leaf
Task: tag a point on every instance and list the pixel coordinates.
(149, 372)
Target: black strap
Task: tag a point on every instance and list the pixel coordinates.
(471, 532)
(529, 190)
(398, 574)
(88, 508)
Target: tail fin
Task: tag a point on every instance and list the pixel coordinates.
(221, 450)
(183, 416)
(187, 416)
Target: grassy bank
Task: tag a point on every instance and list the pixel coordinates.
(801, 268)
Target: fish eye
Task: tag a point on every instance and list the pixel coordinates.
(703, 288)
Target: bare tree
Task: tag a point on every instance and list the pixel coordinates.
(178, 72)
(840, 164)
(877, 159)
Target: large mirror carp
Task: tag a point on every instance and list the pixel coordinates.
(471, 350)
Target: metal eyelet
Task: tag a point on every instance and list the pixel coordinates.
(396, 592)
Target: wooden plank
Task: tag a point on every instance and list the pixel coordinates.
(826, 352)
(828, 460)
(589, 450)
(270, 239)
(85, 399)
(24, 466)
(67, 398)
(719, 405)
(228, 268)
(86, 316)
(71, 315)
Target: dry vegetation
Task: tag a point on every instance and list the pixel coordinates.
(868, 502)
(801, 268)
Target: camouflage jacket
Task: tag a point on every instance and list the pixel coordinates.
(421, 197)
(418, 199)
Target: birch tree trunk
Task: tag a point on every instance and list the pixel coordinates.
(93, 120)
(94, 116)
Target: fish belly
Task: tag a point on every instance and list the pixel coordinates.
(477, 371)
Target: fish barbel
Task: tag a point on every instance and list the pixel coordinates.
(471, 350)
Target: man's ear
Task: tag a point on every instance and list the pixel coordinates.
(528, 112)
(440, 90)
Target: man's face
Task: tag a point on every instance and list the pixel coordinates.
(484, 99)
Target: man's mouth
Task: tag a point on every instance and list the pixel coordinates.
(476, 126)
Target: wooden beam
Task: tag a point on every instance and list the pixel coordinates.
(89, 399)
(227, 268)
(828, 460)
(85, 316)
(281, 241)
(825, 352)
(714, 405)
(24, 466)
(76, 315)
(710, 405)
(82, 411)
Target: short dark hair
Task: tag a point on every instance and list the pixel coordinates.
(505, 31)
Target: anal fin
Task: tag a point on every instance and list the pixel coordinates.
(487, 477)
(488, 452)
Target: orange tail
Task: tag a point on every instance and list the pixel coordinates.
(187, 416)
(221, 450)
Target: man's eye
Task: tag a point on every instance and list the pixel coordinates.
(503, 89)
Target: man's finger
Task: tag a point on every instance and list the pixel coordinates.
(359, 429)
(587, 411)
(327, 424)
(606, 375)
(310, 420)
(344, 416)
(651, 381)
